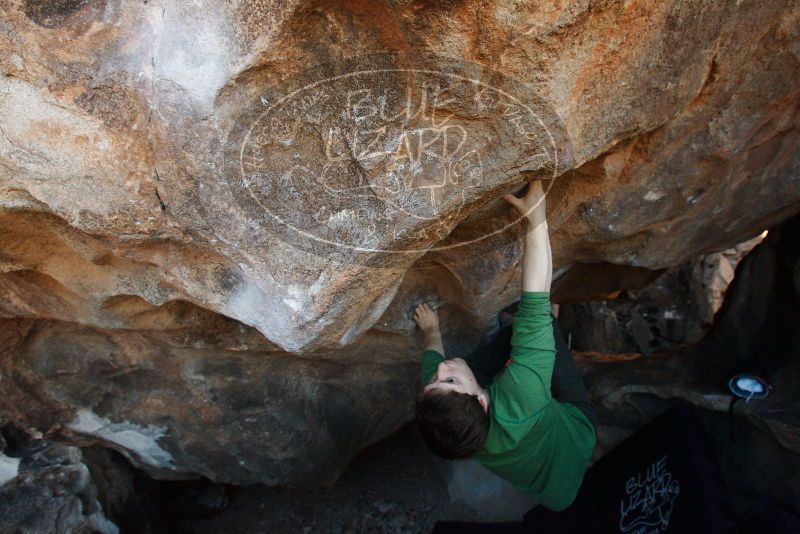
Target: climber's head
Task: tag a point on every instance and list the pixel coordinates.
(452, 411)
(455, 374)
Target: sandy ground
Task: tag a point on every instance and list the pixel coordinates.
(391, 487)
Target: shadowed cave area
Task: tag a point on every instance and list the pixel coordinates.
(218, 218)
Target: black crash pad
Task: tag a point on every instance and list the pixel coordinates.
(663, 479)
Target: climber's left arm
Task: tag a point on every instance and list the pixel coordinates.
(433, 353)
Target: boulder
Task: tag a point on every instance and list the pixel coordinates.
(180, 411)
(215, 218)
(49, 491)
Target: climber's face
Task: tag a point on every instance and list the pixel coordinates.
(455, 375)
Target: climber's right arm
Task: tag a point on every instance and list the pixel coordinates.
(537, 263)
(523, 389)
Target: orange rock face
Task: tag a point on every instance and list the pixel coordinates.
(274, 182)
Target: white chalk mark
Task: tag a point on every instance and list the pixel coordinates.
(142, 441)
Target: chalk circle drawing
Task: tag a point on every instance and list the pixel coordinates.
(649, 500)
(374, 157)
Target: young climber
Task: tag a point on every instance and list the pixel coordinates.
(527, 419)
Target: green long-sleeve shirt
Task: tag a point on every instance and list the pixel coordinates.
(540, 445)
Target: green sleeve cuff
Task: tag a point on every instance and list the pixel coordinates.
(430, 361)
(534, 303)
(535, 296)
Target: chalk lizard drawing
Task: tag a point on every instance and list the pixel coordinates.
(650, 498)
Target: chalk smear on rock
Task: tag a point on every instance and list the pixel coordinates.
(140, 440)
(9, 468)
